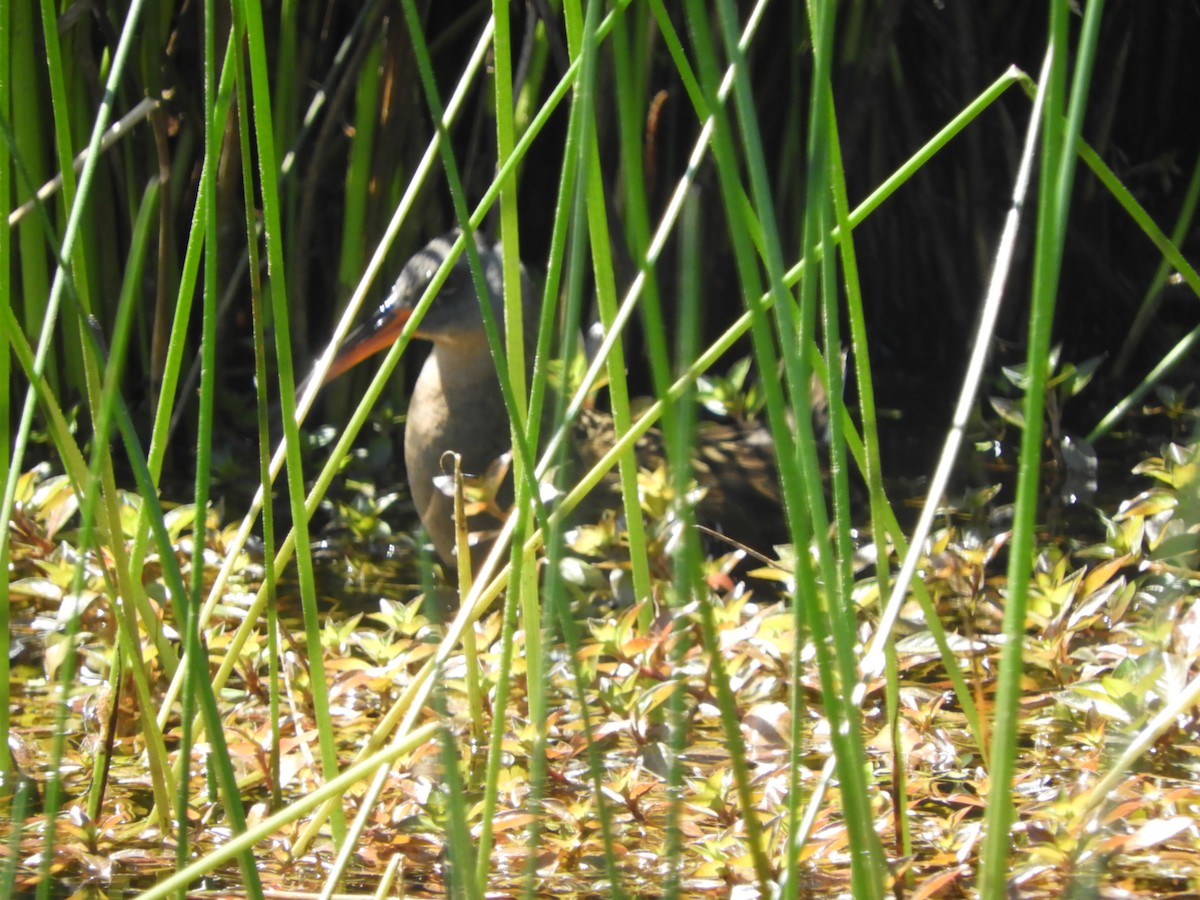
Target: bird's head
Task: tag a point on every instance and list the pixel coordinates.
(454, 314)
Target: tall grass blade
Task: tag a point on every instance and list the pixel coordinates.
(250, 11)
(14, 800)
(1054, 199)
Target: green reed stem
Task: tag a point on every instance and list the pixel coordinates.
(8, 868)
(1054, 200)
(268, 170)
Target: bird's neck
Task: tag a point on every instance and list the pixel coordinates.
(463, 367)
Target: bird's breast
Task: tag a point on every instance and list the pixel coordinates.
(455, 407)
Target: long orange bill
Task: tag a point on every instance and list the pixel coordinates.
(369, 338)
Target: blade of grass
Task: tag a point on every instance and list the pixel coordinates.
(1058, 167)
(259, 325)
(61, 103)
(553, 594)
(579, 43)
(679, 432)
(77, 469)
(1169, 247)
(193, 650)
(1098, 794)
(29, 126)
(587, 215)
(49, 316)
(250, 13)
(819, 214)
(358, 171)
(101, 515)
(1150, 301)
(881, 511)
(525, 596)
(1180, 353)
(7, 773)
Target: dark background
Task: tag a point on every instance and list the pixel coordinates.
(901, 71)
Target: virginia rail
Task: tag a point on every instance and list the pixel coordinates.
(456, 406)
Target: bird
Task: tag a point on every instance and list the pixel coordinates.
(456, 406)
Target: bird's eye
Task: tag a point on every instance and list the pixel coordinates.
(455, 281)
